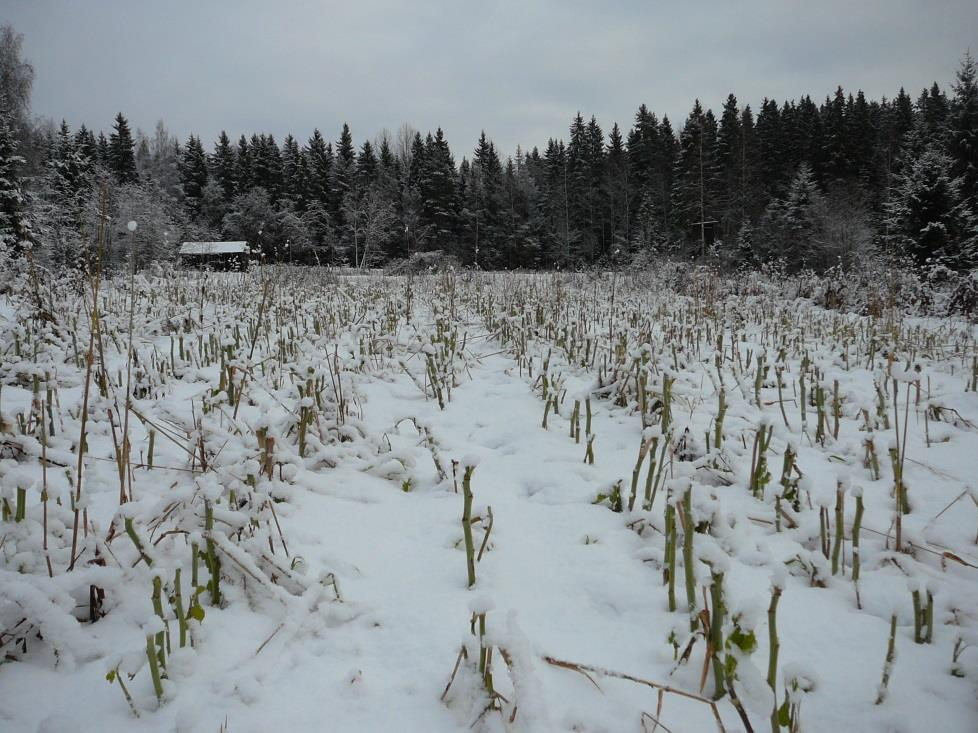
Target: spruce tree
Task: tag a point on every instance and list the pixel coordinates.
(266, 165)
(643, 154)
(557, 248)
(838, 164)
(319, 159)
(366, 166)
(222, 166)
(730, 148)
(485, 199)
(437, 187)
(193, 174)
(861, 136)
(752, 205)
(121, 157)
(87, 148)
(695, 184)
(344, 167)
(962, 132)
(666, 164)
(928, 217)
(243, 180)
(293, 173)
(66, 165)
(103, 153)
(616, 189)
(15, 231)
(771, 171)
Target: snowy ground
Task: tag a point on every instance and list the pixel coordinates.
(343, 582)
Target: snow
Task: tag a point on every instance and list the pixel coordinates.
(343, 569)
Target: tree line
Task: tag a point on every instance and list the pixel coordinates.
(803, 183)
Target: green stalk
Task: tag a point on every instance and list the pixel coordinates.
(716, 632)
(839, 527)
(888, 663)
(836, 409)
(178, 603)
(131, 531)
(21, 511)
(161, 645)
(917, 617)
(929, 619)
(671, 540)
(650, 475)
(718, 425)
(154, 668)
(467, 524)
(686, 517)
(772, 661)
(856, 527)
(212, 560)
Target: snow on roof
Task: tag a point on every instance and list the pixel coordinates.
(213, 248)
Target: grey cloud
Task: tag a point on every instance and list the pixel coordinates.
(519, 70)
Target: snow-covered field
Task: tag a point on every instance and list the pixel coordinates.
(658, 486)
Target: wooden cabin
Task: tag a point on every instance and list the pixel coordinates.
(215, 255)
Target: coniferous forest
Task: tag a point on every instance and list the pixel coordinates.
(809, 183)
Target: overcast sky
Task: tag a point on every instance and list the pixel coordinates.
(519, 70)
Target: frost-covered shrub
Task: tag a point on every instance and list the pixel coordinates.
(422, 262)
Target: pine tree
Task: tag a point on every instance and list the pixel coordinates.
(121, 158)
